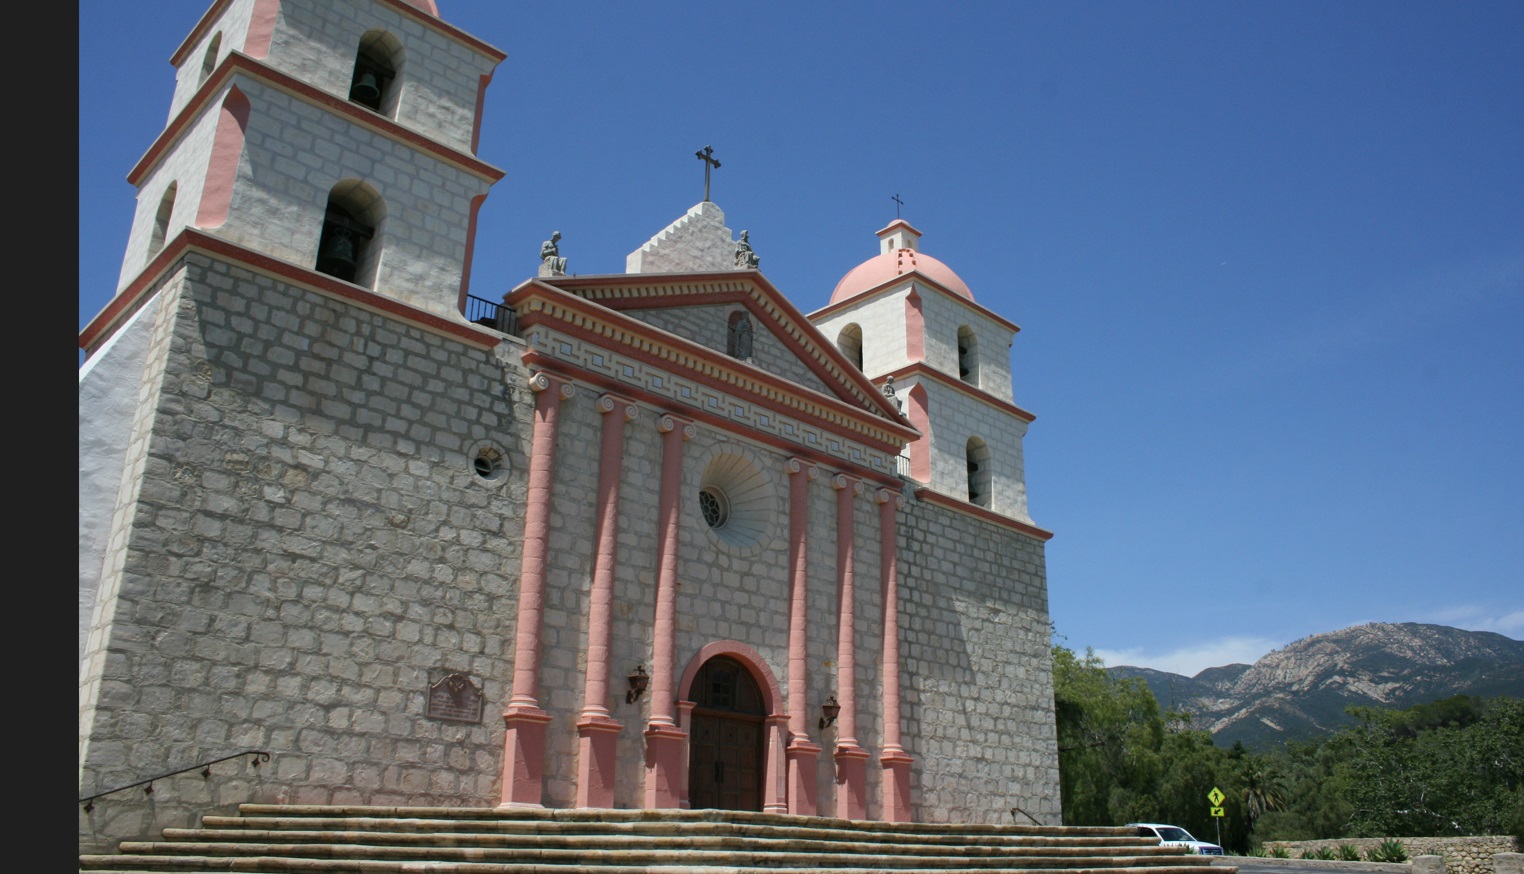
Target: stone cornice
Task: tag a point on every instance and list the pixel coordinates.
(941, 500)
(190, 240)
(626, 291)
(923, 370)
(538, 303)
(237, 63)
(432, 22)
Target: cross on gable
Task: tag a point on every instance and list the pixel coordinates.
(706, 155)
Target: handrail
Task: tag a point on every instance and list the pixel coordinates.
(1016, 810)
(260, 756)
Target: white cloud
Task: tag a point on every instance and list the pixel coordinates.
(1192, 660)
(1472, 617)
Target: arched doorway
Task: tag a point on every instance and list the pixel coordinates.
(725, 740)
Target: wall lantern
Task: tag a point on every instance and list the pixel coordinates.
(639, 680)
(830, 711)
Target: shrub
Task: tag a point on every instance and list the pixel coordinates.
(1280, 853)
(1389, 850)
(1324, 854)
(1349, 853)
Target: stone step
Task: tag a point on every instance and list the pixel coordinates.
(837, 855)
(229, 826)
(266, 839)
(605, 817)
(124, 864)
(687, 838)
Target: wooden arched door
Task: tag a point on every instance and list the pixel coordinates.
(725, 738)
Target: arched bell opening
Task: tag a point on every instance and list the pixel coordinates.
(850, 343)
(968, 356)
(209, 60)
(376, 82)
(349, 248)
(161, 219)
(979, 473)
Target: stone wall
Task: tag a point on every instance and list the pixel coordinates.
(977, 668)
(309, 547)
(1462, 855)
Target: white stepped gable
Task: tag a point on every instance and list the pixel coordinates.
(698, 242)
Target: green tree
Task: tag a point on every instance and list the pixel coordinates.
(1109, 735)
(1121, 759)
(1264, 788)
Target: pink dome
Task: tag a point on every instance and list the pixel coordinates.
(880, 269)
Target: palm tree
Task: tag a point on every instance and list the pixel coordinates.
(1264, 789)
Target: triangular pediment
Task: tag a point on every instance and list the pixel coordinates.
(696, 309)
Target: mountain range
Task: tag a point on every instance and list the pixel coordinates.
(1302, 689)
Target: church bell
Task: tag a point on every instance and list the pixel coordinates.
(338, 255)
(366, 90)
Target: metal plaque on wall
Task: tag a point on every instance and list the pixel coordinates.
(454, 698)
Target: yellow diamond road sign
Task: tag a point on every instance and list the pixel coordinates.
(1215, 796)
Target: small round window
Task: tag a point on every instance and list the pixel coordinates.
(715, 507)
(488, 461)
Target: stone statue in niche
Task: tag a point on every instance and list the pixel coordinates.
(746, 259)
(551, 262)
(740, 337)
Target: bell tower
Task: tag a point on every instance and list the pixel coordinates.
(309, 204)
(317, 134)
(913, 327)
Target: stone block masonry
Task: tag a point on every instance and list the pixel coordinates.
(310, 541)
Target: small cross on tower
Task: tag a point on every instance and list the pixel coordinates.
(897, 204)
(707, 156)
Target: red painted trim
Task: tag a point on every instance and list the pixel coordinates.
(915, 327)
(426, 5)
(191, 239)
(465, 265)
(746, 656)
(259, 72)
(476, 120)
(818, 457)
(256, 43)
(431, 21)
(978, 394)
(920, 450)
(891, 284)
(993, 518)
(630, 325)
(197, 32)
(847, 370)
(222, 168)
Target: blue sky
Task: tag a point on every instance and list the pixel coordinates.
(1268, 258)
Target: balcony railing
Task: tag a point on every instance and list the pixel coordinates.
(488, 314)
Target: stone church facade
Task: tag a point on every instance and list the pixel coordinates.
(656, 539)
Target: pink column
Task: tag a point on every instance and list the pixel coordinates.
(896, 762)
(802, 753)
(666, 741)
(597, 730)
(524, 743)
(851, 759)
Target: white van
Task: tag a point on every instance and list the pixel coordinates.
(1175, 836)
